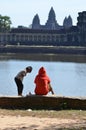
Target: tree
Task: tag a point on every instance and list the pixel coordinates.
(5, 23)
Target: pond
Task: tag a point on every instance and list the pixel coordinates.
(67, 78)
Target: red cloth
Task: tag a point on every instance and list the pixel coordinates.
(41, 81)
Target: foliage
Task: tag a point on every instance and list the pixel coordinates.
(5, 23)
(63, 106)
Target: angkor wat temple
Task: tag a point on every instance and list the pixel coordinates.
(51, 23)
(50, 34)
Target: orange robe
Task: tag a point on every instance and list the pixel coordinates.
(42, 81)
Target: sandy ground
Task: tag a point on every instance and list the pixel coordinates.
(36, 123)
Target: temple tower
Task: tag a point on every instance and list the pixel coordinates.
(51, 22)
(67, 23)
(36, 22)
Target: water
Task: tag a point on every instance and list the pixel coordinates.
(67, 78)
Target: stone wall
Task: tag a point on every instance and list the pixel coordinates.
(43, 102)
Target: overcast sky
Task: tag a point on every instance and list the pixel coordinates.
(21, 12)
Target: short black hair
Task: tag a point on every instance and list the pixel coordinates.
(29, 68)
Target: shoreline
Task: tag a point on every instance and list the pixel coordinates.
(44, 57)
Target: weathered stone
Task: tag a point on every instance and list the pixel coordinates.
(43, 102)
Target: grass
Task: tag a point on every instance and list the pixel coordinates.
(80, 114)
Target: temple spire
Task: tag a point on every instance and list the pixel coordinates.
(36, 22)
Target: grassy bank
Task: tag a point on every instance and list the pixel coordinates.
(80, 114)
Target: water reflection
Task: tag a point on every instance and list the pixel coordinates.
(81, 69)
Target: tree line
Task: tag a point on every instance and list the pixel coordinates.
(5, 23)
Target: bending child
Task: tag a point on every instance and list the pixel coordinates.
(19, 79)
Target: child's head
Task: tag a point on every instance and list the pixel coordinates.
(28, 69)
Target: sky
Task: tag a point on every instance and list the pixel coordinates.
(22, 12)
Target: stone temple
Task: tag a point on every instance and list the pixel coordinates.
(50, 34)
(51, 23)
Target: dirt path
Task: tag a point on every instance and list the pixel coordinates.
(36, 123)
